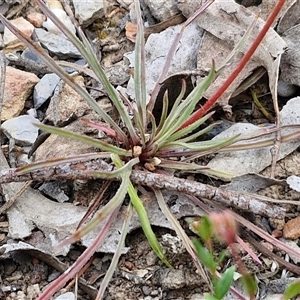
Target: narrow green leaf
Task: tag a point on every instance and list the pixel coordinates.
(205, 229)
(139, 72)
(85, 139)
(164, 113)
(183, 132)
(215, 144)
(249, 284)
(56, 161)
(143, 217)
(195, 135)
(292, 290)
(115, 173)
(186, 107)
(205, 256)
(145, 223)
(223, 284)
(221, 257)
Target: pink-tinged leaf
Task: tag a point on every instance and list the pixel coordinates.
(110, 132)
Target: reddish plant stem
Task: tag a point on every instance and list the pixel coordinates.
(214, 98)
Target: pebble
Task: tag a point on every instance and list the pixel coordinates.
(66, 296)
(56, 7)
(57, 44)
(146, 290)
(85, 11)
(21, 129)
(11, 42)
(66, 104)
(44, 89)
(36, 19)
(294, 246)
(53, 190)
(285, 89)
(30, 55)
(278, 286)
(291, 229)
(18, 86)
(169, 279)
(163, 10)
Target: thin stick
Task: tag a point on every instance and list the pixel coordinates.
(83, 170)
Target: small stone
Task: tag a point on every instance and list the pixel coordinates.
(277, 233)
(53, 276)
(162, 10)
(18, 87)
(66, 103)
(291, 229)
(169, 279)
(295, 247)
(277, 223)
(146, 290)
(53, 190)
(57, 44)
(11, 42)
(36, 19)
(267, 245)
(197, 297)
(21, 129)
(285, 89)
(66, 296)
(44, 89)
(33, 291)
(85, 11)
(56, 8)
(31, 55)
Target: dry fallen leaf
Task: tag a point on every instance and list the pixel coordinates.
(226, 22)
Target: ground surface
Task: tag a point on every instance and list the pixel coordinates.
(140, 274)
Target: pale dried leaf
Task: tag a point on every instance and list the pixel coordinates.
(290, 65)
(228, 21)
(255, 160)
(290, 17)
(294, 182)
(251, 183)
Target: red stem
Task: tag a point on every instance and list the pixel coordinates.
(214, 98)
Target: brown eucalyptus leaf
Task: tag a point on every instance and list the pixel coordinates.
(226, 22)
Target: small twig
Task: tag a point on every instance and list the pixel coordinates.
(175, 20)
(273, 86)
(2, 80)
(83, 170)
